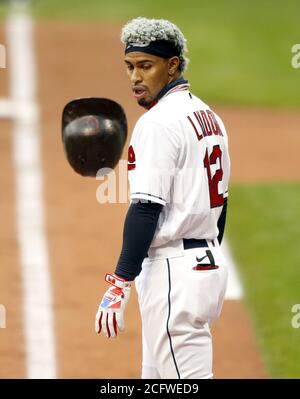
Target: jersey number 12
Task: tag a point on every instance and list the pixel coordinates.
(216, 199)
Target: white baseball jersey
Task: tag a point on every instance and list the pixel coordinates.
(178, 157)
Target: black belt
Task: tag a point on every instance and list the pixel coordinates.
(189, 243)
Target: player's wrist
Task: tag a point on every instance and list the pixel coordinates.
(117, 281)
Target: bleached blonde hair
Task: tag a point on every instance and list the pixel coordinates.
(145, 30)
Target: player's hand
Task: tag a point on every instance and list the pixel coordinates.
(110, 315)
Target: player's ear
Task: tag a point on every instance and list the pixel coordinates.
(173, 65)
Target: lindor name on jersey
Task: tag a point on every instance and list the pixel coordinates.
(207, 122)
(178, 157)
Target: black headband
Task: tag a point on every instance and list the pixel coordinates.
(160, 48)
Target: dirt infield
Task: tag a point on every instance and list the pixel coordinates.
(84, 237)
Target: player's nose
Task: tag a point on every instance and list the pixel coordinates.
(135, 77)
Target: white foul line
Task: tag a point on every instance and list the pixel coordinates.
(234, 287)
(37, 298)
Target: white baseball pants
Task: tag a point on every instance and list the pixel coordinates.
(178, 305)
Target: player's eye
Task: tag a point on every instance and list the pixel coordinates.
(129, 67)
(145, 67)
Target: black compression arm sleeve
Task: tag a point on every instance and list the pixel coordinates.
(222, 221)
(139, 228)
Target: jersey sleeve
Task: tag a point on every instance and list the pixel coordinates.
(156, 151)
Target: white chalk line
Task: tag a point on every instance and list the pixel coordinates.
(234, 287)
(34, 259)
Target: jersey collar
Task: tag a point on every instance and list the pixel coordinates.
(176, 85)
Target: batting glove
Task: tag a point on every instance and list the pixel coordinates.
(111, 309)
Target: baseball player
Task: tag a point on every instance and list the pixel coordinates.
(178, 169)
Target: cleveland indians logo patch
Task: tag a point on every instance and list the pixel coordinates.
(131, 158)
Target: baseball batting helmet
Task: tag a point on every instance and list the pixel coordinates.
(94, 132)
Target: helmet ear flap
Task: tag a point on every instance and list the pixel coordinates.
(94, 132)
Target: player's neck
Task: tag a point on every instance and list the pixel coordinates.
(169, 86)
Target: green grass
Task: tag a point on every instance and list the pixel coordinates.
(240, 51)
(264, 230)
(3, 11)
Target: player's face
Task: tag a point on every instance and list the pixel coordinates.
(149, 74)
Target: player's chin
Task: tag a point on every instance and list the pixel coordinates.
(144, 102)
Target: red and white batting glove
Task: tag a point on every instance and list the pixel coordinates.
(111, 309)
